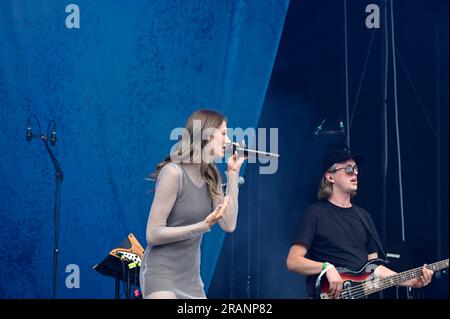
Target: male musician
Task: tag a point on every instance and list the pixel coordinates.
(333, 232)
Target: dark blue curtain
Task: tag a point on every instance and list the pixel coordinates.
(116, 86)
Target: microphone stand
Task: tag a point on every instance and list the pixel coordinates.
(333, 133)
(58, 180)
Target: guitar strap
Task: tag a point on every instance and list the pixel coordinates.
(375, 237)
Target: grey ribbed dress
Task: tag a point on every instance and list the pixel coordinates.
(175, 228)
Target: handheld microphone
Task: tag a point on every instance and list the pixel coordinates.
(233, 147)
(28, 134)
(53, 136)
(319, 128)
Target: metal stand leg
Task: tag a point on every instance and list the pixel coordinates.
(117, 293)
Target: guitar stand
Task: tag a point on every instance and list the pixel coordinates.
(121, 272)
(123, 264)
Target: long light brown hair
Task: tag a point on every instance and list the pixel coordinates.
(185, 149)
(326, 187)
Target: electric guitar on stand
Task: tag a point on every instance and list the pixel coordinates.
(130, 250)
(360, 284)
(123, 264)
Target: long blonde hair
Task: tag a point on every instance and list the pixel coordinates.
(209, 119)
(326, 187)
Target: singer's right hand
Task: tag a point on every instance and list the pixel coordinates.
(235, 162)
(217, 214)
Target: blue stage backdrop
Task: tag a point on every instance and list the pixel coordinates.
(116, 77)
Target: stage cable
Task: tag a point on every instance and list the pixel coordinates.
(346, 75)
(396, 123)
(385, 124)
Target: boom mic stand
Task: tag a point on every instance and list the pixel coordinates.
(59, 178)
(330, 138)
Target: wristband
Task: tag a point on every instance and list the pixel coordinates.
(325, 265)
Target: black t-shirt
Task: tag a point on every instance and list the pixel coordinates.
(336, 235)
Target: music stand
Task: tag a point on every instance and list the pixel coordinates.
(123, 264)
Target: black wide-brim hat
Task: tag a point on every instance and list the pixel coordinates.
(340, 156)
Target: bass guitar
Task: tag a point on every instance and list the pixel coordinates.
(360, 284)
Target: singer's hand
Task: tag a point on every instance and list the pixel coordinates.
(217, 214)
(235, 162)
